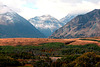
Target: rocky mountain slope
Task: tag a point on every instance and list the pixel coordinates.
(13, 25)
(86, 25)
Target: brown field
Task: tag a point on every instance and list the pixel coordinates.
(36, 41)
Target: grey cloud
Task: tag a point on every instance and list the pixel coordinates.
(71, 1)
(94, 1)
(79, 1)
(31, 1)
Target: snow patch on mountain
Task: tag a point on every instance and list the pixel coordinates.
(5, 9)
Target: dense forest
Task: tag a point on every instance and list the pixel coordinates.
(41, 56)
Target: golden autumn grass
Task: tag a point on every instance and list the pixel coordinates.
(36, 41)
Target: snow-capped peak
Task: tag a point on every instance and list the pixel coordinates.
(46, 24)
(5, 9)
(7, 15)
(44, 17)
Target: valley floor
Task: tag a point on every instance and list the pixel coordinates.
(45, 52)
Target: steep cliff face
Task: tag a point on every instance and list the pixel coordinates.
(86, 25)
(13, 25)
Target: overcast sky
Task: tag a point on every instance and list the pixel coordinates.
(55, 8)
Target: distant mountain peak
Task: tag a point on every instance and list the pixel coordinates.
(46, 16)
(46, 24)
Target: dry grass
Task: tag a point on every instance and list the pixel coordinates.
(36, 41)
(27, 41)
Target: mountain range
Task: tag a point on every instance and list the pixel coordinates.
(48, 24)
(86, 25)
(13, 25)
